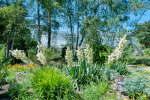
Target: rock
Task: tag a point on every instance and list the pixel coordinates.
(4, 89)
(118, 82)
(19, 76)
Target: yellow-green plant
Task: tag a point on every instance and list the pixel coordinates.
(51, 83)
(2, 55)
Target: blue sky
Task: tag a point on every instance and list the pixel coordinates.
(145, 17)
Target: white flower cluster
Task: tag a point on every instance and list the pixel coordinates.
(69, 56)
(40, 54)
(88, 54)
(118, 51)
(19, 54)
(80, 55)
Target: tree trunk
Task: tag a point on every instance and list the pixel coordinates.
(49, 30)
(13, 41)
(7, 44)
(71, 28)
(38, 13)
(81, 41)
(78, 25)
(7, 3)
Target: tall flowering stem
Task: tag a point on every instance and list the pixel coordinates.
(80, 55)
(40, 54)
(88, 54)
(69, 56)
(19, 54)
(118, 51)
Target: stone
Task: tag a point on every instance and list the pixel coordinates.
(118, 82)
(19, 76)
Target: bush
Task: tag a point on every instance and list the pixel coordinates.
(32, 56)
(3, 74)
(51, 83)
(101, 53)
(3, 70)
(25, 42)
(140, 60)
(51, 54)
(63, 52)
(2, 55)
(84, 73)
(107, 73)
(147, 52)
(134, 85)
(120, 67)
(97, 91)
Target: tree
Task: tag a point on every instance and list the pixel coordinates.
(38, 14)
(143, 34)
(50, 9)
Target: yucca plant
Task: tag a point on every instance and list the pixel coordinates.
(83, 73)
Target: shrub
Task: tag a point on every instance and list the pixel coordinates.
(3, 70)
(51, 83)
(107, 73)
(96, 91)
(134, 85)
(2, 55)
(120, 67)
(51, 53)
(84, 73)
(3, 74)
(63, 52)
(101, 53)
(32, 55)
(22, 91)
(147, 51)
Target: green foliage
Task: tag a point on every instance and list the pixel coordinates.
(120, 67)
(101, 53)
(98, 92)
(107, 72)
(63, 53)
(2, 55)
(127, 54)
(84, 73)
(143, 34)
(140, 60)
(32, 55)
(22, 91)
(51, 54)
(3, 74)
(8, 17)
(24, 41)
(135, 84)
(3, 64)
(147, 52)
(51, 83)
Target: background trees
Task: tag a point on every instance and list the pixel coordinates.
(93, 21)
(143, 34)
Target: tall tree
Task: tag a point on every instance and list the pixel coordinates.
(50, 8)
(38, 15)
